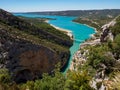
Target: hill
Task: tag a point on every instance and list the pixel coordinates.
(28, 48)
(94, 18)
(101, 56)
(81, 13)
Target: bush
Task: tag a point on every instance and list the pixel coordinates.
(116, 29)
(116, 46)
(4, 76)
(78, 81)
(100, 57)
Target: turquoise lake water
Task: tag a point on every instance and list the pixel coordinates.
(80, 32)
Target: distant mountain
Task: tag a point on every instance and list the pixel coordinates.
(112, 12)
(28, 50)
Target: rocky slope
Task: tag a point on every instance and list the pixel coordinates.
(28, 51)
(89, 50)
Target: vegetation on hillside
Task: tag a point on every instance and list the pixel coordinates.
(103, 59)
(97, 19)
(40, 23)
(41, 33)
(58, 81)
(28, 39)
(35, 31)
(116, 29)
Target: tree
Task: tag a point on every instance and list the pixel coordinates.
(54, 82)
(78, 81)
(116, 46)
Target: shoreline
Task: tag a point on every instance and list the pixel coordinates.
(88, 26)
(46, 21)
(91, 27)
(78, 54)
(68, 32)
(91, 35)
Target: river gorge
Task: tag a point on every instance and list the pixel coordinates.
(80, 32)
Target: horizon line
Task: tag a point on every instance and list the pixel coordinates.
(64, 10)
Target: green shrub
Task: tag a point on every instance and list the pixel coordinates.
(116, 46)
(99, 56)
(4, 76)
(78, 81)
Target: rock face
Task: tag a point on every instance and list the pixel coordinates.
(24, 59)
(106, 32)
(27, 61)
(104, 35)
(30, 62)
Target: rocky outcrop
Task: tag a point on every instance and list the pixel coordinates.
(104, 35)
(79, 59)
(31, 61)
(106, 32)
(25, 60)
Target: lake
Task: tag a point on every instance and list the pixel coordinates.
(80, 32)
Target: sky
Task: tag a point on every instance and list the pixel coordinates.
(57, 5)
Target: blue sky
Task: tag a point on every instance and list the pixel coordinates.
(57, 5)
